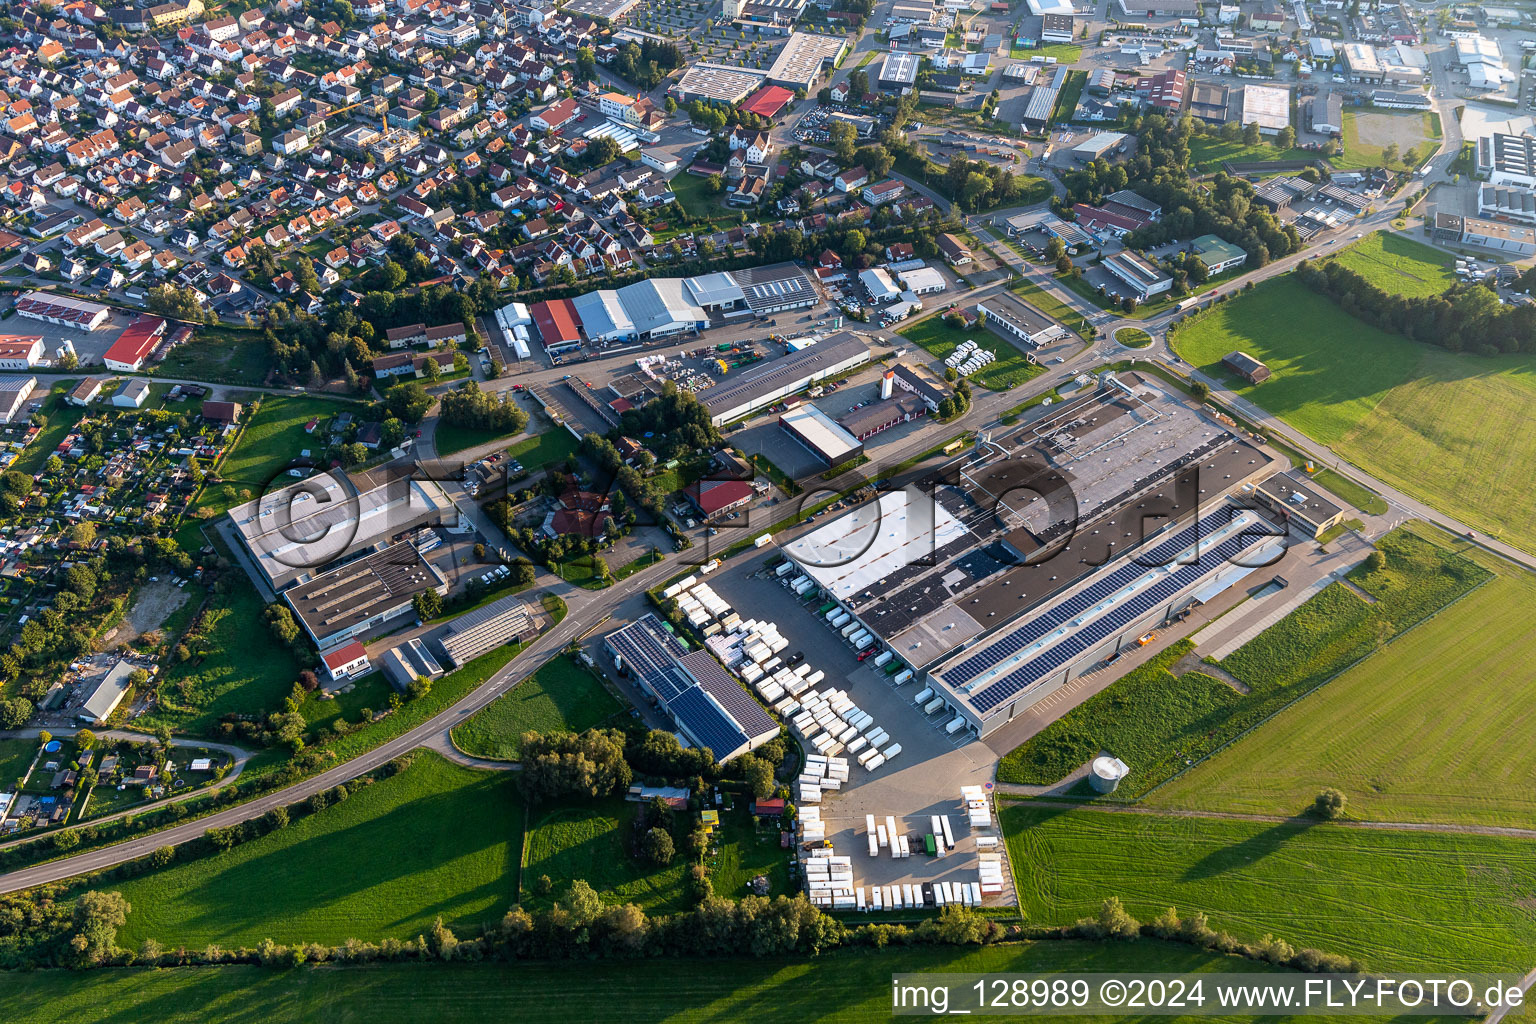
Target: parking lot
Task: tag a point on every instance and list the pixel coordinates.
(90, 346)
(921, 781)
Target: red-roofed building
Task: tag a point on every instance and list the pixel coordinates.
(346, 662)
(1098, 219)
(134, 345)
(558, 324)
(715, 498)
(1164, 91)
(768, 101)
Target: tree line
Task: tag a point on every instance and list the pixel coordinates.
(1467, 317)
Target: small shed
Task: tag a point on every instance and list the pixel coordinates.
(1248, 367)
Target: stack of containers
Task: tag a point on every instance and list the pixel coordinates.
(837, 768)
(812, 828)
(991, 873)
(874, 837)
(975, 800)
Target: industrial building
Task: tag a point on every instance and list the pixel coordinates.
(892, 410)
(759, 386)
(1499, 202)
(1299, 503)
(898, 72)
(293, 533)
(361, 596)
(408, 662)
(1268, 106)
(1138, 273)
(557, 325)
(1036, 555)
(64, 310)
(1041, 104)
(503, 621)
(129, 352)
(107, 693)
(1498, 236)
(14, 392)
(1218, 255)
(827, 439)
(717, 83)
(709, 707)
(1012, 318)
(20, 351)
(1505, 159)
(805, 57)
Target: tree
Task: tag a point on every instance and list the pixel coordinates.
(1064, 264)
(428, 605)
(1055, 249)
(353, 454)
(85, 739)
(1251, 135)
(656, 846)
(1412, 157)
(408, 401)
(82, 534)
(178, 303)
(714, 184)
(758, 775)
(1375, 561)
(1329, 804)
(97, 917)
(1285, 138)
(591, 764)
(1389, 154)
(1200, 389)
(14, 713)
(281, 622)
(418, 688)
(843, 137)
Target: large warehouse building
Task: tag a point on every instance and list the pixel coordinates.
(710, 708)
(827, 439)
(64, 310)
(362, 596)
(759, 386)
(294, 533)
(1042, 552)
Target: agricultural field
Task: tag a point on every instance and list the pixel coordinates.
(1394, 900)
(1430, 728)
(1156, 721)
(939, 339)
(1457, 431)
(562, 696)
(242, 670)
(436, 839)
(850, 987)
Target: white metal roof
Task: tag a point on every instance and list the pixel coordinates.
(856, 551)
(602, 314)
(714, 289)
(658, 304)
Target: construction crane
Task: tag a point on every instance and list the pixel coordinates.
(383, 121)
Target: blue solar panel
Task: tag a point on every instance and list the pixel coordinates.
(702, 720)
(1005, 646)
(1113, 621)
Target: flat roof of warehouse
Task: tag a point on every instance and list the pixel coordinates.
(776, 373)
(771, 286)
(856, 552)
(826, 436)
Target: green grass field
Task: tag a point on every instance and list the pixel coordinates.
(1399, 265)
(1430, 728)
(1156, 721)
(245, 670)
(1133, 337)
(1394, 900)
(452, 439)
(15, 756)
(437, 839)
(1206, 153)
(222, 353)
(554, 445)
(1367, 133)
(938, 339)
(560, 697)
(851, 987)
(1049, 304)
(272, 439)
(693, 196)
(591, 841)
(1451, 429)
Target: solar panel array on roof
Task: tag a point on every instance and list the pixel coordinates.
(1116, 618)
(749, 714)
(707, 703)
(706, 721)
(1028, 632)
